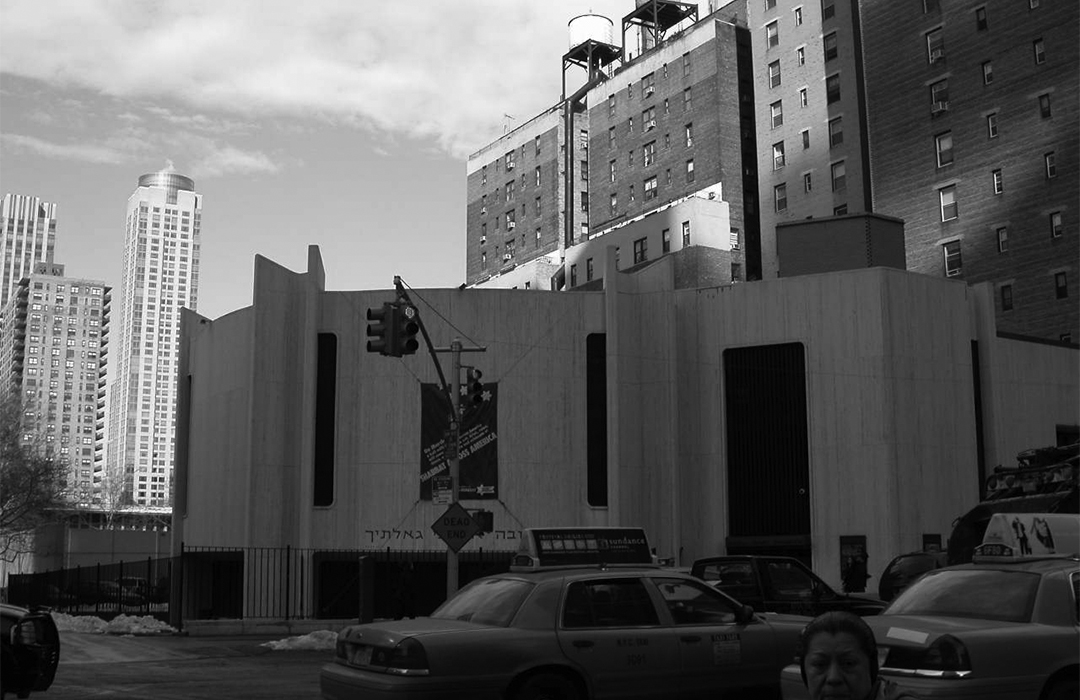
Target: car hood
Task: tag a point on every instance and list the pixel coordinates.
(391, 632)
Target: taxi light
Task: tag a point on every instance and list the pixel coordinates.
(26, 633)
(408, 658)
(947, 657)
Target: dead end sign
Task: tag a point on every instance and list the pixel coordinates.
(456, 527)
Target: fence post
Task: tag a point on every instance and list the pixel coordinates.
(288, 578)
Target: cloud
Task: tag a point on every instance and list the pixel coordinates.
(84, 152)
(232, 160)
(426, 70)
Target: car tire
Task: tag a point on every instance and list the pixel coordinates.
(548, 686)
(1063, 690)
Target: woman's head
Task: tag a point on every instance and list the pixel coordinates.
(838, 657)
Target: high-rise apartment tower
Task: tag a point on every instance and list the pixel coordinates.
(28, 238)
(160, 275)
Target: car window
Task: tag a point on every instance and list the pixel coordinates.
(984, 594)
(489, 601)
(608, 603)
(789, 582)
(736, 578)
(691, 603)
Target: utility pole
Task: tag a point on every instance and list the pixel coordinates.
(455, 456)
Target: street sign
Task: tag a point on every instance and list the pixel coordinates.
(442, 490)
(456, 527)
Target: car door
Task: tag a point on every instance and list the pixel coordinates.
(612, 629)
(720, 652)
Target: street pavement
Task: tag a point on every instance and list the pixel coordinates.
(176, 667)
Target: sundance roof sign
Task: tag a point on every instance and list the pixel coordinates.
(582, 546)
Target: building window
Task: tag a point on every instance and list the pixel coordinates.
(538, 206)
(770, 4)
(589, 270)
(1006, 297)
(947, 201)
(650, 188)
(929, 6)
(648, 119)
(536, 146)
(777, 111)
(943, 146)
(611, 106)
(987, 72)
(641, 250)
(538, 237)
(687, 100)
(630, 91)
(630, 125)
(1061, 285)
(778, 155)
(686, 65)
(648, 153)
(1040, 51)
(665, 240)
(611, 171)
(839, 210)
(839, 176)
(951, 252)
(1003, 239)
(667, 177)
(536, 172)
(1051, 164)
(774, 74)
(807, 182)
(805, 139)
(980, 19)
(772, 34)
(613, 204)
(829, 43)
(800, 56)
(939, 94)
(689, 135)
(999, 181)
(647, 83)
(690, 170)
(611, 137)
(1055, 224)
(630, 158)
(584, 172)
(798, 16)
(573, 275)
(584, 197)
(991, 125)
(828, 9)
(685, 233)
(832, 88)
(803, 97)
(935, 45)
(836, 132)
(1044, 105)
(780, 197)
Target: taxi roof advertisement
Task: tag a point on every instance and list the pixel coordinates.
(590, 545)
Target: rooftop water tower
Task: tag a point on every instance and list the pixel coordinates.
(654, 17)
(591, 46)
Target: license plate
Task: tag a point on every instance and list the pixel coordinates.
(360, 655)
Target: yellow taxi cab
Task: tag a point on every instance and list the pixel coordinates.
(1004, 627)
(583, 613)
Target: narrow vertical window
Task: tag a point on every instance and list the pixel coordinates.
(981, 23)
(1050, 159)
(800, 56)
(998, 181)
(1040, 51)
(832, 88)
(807, 182)
(778, 157)
(685, 233)
(805, 139)
(803, 97)
(839, 176)
(772, 34)
(992, 125)
(1003, 239)
(780, 197)
(944, 149)
(935, 46)
(798, 17)
(1006, 297)
(828, 9)
(829, 43)
(1061, 285)
(596, 419)
(325, 421)
(665, 240)
(774, 74)
(953, 263)
(690, 170)
(836, 132)
(573, 275)
(947, 201)
(776, 110)
(686, 65)
(1055, 224)
(987, 72)
(1044, 105)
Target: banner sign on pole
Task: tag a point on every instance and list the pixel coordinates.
(479, 455)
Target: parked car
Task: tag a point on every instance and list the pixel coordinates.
(778, 584)
(903, 570)
(1002, 627)
(29, 650)
(569, 632)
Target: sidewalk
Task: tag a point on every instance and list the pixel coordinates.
(89, 648)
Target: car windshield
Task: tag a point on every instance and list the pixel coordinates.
(985, 594)
(491, 601)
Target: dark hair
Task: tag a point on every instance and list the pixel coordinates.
(835, 622)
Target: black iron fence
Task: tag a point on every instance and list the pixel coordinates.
(272, 583)
(139, 587)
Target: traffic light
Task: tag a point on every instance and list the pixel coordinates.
(474, 388)
(383, 332)
(407, 320)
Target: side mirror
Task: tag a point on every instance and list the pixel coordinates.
(744, 615)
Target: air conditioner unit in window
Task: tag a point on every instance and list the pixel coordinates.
(483, 240)
(648, 91)
(939, 107)
(483, 210)
(511, 224)
(508, 256)
(937, 55)
(509, 167)
(650, 125)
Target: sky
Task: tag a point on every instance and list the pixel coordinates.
(339, 123)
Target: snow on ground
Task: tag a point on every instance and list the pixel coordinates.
(121, 624)
(321, 640)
